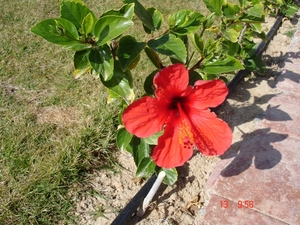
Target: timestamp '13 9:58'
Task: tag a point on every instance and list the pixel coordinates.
(240, 204)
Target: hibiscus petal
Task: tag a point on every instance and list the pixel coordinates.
(212, 135)
(171, 81)
(175, 146)
(207, 94)
(145, 117)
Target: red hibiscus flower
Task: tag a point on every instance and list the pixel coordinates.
(183, 112)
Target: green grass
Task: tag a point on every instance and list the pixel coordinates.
(53, 129)
(290, 33)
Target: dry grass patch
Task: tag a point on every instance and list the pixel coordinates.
(60, 116)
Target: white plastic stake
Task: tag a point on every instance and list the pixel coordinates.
(151, 194)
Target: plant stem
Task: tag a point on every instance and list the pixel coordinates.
(197, 64)
(151, 194)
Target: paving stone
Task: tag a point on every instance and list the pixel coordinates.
(223, 211)
(289, 82)
(281, 114)
(265, 172)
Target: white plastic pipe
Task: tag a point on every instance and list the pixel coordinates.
(151, 194)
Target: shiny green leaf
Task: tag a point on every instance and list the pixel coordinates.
(229, 64)
(145, 168)
(148, 83)
(215, 6)
(129, 50)
(289, 10)
(154, 58)
(169, 45)
(81, 59)
(75, 12)
(123, 139)
(60, 31)
(231, 48)
(257, 27)
(102, 61)
(230, 10)
(142, 14)
(232, 33)
(208, 21)
(156, 20)
(152, 140)
(87, 24)
(257, 10)
(171, 176)
(120, 83)
(185, 22)
(198, 42)
(140, 149)
(112, 96)
(110, 27)
(126, 11)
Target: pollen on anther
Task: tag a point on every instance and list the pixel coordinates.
(185, 135)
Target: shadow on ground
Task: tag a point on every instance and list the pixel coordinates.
(257, 150)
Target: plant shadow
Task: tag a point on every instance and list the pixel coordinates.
(256, 149)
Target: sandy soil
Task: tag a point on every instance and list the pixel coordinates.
(180, 203)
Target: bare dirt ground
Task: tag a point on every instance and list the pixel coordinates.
(180, 203)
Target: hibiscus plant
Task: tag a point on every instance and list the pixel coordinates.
(162, 129)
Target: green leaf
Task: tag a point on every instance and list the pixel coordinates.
(171, 176)
(112, 97)
(66, 28)
(209, 77)
(156, 20)
(257, 27)
(126, 11)
(242, 2)
(198, 42)
(152, 55)
(110, 27)
(215, 6)
(129, 49)
(231, 48)
(230, 10)
(193, 77)
(87, 24)
(210, 47)
(102, 61)
(120, 83)
(140, 149)
(289, 10)
(152, 140)
(75, 12)
(145, 168)
(123, 139)
(169, 45)
(208, 21)
(60, 31)
(185, 22)
(229, 64)
(232, 33)
(255, 63)
(142, 14)
(257, 10)
(251, 19)
(81, 59)
(79, 72)
(148, 83)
